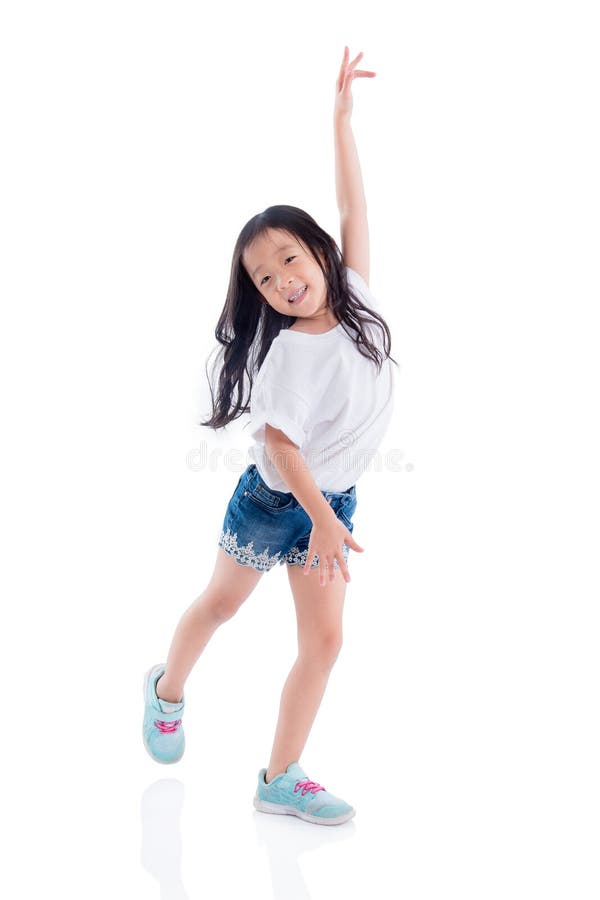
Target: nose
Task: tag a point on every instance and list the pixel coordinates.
(284, 281)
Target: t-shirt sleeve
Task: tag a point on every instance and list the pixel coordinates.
(282, 408)
(360, 286)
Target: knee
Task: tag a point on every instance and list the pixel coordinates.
(222, 608)
(322, 649)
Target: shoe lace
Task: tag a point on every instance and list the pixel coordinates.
(167, 727)
(308, 785)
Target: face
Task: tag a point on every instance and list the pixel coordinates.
(279, 265)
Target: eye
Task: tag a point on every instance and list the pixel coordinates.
(267, 276)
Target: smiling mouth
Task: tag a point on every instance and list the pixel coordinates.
(300, 296)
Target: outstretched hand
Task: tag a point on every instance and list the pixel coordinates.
(348, 72)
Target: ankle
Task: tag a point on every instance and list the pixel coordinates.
(163, 692)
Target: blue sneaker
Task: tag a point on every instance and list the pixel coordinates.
(293, 794)
(162, 730)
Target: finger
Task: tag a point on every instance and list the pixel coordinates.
(343, 567)
(309, 559)
(327, 571)
(352, 543)
(322, 572)
(346, 67)
(344, 64)
(331, 567)
(360, 73)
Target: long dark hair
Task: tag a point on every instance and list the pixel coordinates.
(248, 325)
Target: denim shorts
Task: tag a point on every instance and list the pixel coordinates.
(263, 527)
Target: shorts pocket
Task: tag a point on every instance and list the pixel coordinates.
(272, 501)
(343, 518)
(346, 511)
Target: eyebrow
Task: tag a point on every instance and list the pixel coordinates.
(279, 250)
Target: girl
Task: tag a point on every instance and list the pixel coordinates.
(300, 321)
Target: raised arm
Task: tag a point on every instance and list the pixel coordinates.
(350, 193)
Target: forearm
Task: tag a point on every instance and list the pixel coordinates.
(348, 179)
(292, 468)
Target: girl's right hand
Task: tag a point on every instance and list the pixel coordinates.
(326, 539)
(343, 92)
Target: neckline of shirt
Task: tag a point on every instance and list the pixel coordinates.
(295, 335)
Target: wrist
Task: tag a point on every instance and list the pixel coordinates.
(323, 515)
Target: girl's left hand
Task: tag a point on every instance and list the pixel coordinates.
(343, 94)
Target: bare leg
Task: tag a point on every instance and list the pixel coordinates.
(192, 634)
(300, 701)
(230, 585)
(319, 613)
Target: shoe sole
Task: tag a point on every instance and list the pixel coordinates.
(164, 762)
(280, 810)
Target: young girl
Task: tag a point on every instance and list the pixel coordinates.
(300, 322)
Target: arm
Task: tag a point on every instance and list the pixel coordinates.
(290, 464)
(354, 226)
(327, 534)
(349, 187)
(350, 193)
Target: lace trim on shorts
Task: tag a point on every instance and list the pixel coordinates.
(246, 555)
(297, 557)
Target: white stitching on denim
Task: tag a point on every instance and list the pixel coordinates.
(246, 555)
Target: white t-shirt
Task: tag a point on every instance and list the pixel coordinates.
(326, 397)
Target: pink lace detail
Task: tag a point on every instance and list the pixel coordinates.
(308, 786)
(167, 727)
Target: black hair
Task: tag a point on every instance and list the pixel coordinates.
(248, 325)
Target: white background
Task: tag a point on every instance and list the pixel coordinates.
(461, 718)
